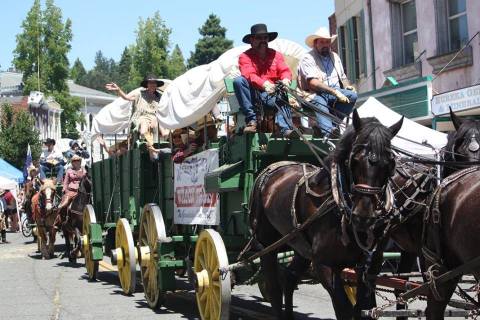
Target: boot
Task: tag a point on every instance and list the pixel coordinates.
(4, 236)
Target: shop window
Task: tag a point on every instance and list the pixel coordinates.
(404, 32)
(352, 47)
(451, 20)
(457, 24)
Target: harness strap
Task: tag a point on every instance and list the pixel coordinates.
(304, 180)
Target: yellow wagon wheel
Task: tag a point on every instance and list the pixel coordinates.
(90, 264)
(152, 230)
(125, 256)
(212, 289)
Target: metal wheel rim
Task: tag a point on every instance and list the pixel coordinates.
(152, 229)
(26, 229)
(127, 269)
(210, 254)
(90, 264)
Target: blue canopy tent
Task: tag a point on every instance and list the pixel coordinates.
(10, 172)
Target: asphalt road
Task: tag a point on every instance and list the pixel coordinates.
(32, 288)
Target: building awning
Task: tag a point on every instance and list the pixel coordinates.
(410, 98)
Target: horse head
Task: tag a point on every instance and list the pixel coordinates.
(464, 143)
(47, 191)
(365, 161)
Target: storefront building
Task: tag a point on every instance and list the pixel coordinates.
(415, 56)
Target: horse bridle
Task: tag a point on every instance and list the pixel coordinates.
(365, 189)
(473, 145)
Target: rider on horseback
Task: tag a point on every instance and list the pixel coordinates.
(71, 183)
(51, 158)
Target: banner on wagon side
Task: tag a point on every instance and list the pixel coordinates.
(192, 204)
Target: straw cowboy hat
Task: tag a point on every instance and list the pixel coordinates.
(32, 168)
(321, 33)
(76, 158)
(258, 29)
(151, 77)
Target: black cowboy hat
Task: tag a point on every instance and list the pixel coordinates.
(151, 77)
(49, 141)
(258, 29)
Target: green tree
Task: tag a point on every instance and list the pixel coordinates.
(18, 131)
(43, 46)
(104, 71)
(150, 52)
(212, 44)
(77, 72)
(27, 55)
(176, 63)
(124, 69)
(71, 114)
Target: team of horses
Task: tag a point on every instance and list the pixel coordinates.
(42, 207)
(361, 198)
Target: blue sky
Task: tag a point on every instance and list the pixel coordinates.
(109, 25)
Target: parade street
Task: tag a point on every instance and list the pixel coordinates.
(54, 289)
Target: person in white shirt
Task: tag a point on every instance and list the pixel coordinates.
(322, 80)
(51, 158)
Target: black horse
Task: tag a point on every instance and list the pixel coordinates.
(463, 144)
(286, 195)
(413, 186)
(72, 225)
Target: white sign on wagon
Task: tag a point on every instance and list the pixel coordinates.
(192, 204)
(458, 100)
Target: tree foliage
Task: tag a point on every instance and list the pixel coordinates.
(104, 71)
(18, 131)
(212, 44)
(71, 114)
(77, 72)
(176, 63)
(150, 52)
(44, 44)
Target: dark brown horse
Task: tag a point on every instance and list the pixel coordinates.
(73, 221)
(413, 186)
(286, 194)
(452, 235)
(463, 144)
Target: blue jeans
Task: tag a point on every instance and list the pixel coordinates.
(46, 167)
(324, 100)
(244, 93)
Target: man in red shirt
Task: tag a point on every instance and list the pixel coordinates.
(260, 68)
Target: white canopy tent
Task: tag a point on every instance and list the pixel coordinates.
(412, 137)
(8, 184)
(193, 94)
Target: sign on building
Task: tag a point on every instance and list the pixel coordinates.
(458, 100)
(192, 204)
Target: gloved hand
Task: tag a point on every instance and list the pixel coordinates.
(269, 87)
(286, 82)
(341, 97)
(351, 88)
(179, 157)
(293, 102)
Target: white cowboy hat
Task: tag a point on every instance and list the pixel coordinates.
(321, 33)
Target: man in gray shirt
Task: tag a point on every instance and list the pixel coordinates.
(323, 82)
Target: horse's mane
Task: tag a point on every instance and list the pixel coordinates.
(373, 133)
(459, 134)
